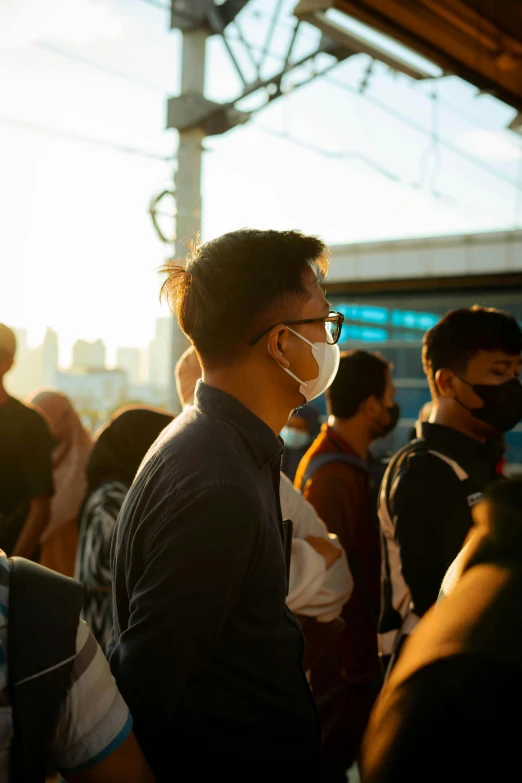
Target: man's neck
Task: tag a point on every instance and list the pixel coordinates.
(449, 417)
(266, 403)
(354, 432)
(4, 396)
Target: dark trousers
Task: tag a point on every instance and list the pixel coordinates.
(344, 701)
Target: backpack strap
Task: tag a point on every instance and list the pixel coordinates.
(392, 475)
(328, 457)
(390, 622)
(414, 447)
(44, 610)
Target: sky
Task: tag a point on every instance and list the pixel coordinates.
(78, 251)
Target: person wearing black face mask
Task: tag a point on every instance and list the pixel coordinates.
(341, 480)
(472, 362)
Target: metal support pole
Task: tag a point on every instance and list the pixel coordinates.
(188, 179)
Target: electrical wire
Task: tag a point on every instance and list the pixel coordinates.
(44, 45)
(346, 155)
(46, 130)
(421, 129)
(411, 84)
(452, 107)
(433, 150)
(336, 155)
(341, 85)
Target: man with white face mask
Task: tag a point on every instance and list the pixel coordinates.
(206, 652)
(320, 581)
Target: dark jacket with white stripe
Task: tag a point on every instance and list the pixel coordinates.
(425, 512)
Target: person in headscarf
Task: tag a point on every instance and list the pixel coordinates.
(117, 454)
(59, 540)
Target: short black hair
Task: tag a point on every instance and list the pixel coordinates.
(226, 286)
(461, 334)
(361, 375)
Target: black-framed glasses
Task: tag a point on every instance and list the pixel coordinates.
(333, 323)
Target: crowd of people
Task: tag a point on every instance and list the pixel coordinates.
(180, 599)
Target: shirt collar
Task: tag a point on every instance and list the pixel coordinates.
(461, 444)
(263, 442)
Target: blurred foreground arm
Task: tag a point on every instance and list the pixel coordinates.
(94, 742)
(320, 580)
(125, 765)
(36, 522)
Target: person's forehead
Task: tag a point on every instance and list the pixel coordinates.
(496, 357)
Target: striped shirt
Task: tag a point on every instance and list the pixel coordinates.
(93, 721)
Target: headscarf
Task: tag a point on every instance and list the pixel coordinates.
(188, 372)
(70, 456)
(123, 443)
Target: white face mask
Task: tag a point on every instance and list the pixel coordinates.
(327, 357)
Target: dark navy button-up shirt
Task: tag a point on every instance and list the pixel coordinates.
(207, 655)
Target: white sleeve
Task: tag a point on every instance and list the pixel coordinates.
(313, 590)
(94, 720)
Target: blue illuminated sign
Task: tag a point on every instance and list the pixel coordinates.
(366, 313)
(406, 319)
(364, 333)
(412, 320)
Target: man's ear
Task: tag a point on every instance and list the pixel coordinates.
(446, 383)
(278, 340)
(370, 406)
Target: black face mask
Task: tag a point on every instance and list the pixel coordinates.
(394, 413)
(502, 407)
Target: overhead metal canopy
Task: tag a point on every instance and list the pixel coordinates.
(478, 40)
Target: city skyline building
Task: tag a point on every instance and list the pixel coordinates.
(94, 393)
(50, 349)
(89, 355)
(129, 359)
(159, 354)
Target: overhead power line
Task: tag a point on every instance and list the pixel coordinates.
(46, 130)
(337, 155)
(346, 155)
(399, 116)
(98, 66)
(433, 149)
(458, 111)
(426, 131)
